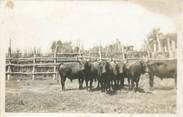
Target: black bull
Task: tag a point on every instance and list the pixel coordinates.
(133, 72)
(92, 71)
(113, 74)
(71, 70)
(162, 69)
(81, 70)
(108, 73)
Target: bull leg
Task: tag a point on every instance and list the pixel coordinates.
(80, 83)
(102, 86)
(91, 82)
(129, 83)
(151, 80)
(106, 85)
(86, 81)
(137, 83)
(99, 84)
(101, 81)
(175, 82)
(119, 83)
(115, 83)
(132, 84)
(122, 82)
(63, 83)
(111, 85)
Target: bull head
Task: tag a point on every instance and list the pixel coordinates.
(144, 66)
(102, 66)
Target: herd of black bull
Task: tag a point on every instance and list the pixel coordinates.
(110, 75)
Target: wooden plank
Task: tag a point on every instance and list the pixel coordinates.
(21, 73)
(53, 64)
(44, 72)
(30, 73)
(37, 64)
(30, 58)
(44, 66)
(68, 54)
(167, 59)
(39, 58)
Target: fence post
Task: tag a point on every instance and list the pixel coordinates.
(9, 68)
(55, 61)
(33, 70)
(9, 61)
(100, 54)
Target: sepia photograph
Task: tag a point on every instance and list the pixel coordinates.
(117, 57)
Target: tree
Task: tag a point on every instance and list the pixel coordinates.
(53, 46)
(161, 42)
(152, 39)
(61, 47)
(171, 43)
(56, 45)
(173, 38)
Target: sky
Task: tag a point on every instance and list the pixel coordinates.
(37, 24)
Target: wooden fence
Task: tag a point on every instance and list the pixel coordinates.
(36, 63)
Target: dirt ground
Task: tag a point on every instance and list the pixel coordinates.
(47, 96)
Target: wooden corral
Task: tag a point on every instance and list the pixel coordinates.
(47, 65)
